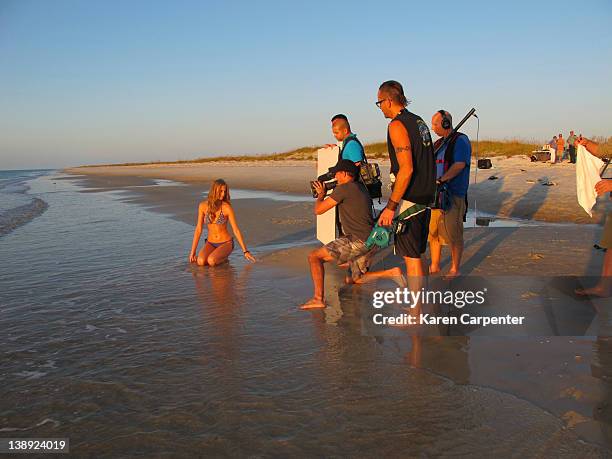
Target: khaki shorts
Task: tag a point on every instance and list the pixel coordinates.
(436, 227)
(606, 237)
(447, 226)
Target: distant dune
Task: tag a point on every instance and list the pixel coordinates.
(378, 150)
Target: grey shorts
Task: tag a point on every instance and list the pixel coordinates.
(354, 251)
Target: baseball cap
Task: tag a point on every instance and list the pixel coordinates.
(345, 165)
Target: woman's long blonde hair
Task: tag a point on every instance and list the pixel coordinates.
(214, 197)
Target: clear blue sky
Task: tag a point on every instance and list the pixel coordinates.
(85, 82)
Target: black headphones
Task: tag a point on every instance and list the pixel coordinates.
(446, 122)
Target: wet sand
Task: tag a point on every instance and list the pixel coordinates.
(560, 250)
(564, 376)
(518, 192)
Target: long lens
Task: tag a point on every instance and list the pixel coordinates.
(327, 185)
(330, 185)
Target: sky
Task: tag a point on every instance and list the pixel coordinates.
(92, 82)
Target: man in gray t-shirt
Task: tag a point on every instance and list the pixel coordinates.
(355, 210)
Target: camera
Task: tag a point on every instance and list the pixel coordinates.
(328, 180)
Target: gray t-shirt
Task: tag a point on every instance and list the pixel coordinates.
(355, 209)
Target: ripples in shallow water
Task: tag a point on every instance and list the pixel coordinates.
(112, 340)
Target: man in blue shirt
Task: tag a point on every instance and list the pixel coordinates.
(453, 169)
(350, 147)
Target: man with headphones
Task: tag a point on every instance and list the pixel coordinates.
(453, 156)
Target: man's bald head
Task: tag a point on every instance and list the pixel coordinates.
(341, 123)
(340, 127)
(436, 123)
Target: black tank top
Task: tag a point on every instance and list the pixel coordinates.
(422, 185)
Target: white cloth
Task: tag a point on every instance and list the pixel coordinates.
(587, 176)
(553, 152)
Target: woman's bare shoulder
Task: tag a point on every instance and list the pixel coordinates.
(203, 206)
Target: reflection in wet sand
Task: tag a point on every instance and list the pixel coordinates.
(444, 355)
(221, 293)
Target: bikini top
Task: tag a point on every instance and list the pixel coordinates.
(221, 219)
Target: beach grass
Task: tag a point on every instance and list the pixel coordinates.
(377, 150)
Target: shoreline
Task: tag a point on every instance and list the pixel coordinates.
(518, 191)
(282, 246)
(286, 229)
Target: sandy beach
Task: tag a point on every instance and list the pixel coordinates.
(115, 340)
(281, 233)
(134, 325)
(557, 249)
(517, 192)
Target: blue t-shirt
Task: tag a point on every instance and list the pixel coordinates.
(457, 186)
(440, 162)
(353, 150)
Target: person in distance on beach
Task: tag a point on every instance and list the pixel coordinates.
(215, 213)
(553, 149)
(571, 146)
(560, 147)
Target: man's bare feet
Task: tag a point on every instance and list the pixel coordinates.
(394, 274)
(313, 303)
(398, 277)
(452, 274)
(434, 269)
(597, 291)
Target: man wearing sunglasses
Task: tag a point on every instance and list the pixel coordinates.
(412, 173)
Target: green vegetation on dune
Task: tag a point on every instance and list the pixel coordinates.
(490, 148)
(485, 148)
(377, 150)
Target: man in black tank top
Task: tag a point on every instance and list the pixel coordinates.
(413, 168)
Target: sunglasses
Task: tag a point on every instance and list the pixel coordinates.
(378, 102)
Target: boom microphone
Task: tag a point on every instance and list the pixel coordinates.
(456, 128)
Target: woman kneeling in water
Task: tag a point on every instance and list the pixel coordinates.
(215, 213)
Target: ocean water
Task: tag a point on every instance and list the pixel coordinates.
(17, 207)
(111, 338)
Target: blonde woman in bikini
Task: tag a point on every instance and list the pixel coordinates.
(215, 212)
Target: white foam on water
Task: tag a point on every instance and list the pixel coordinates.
(31, 374)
